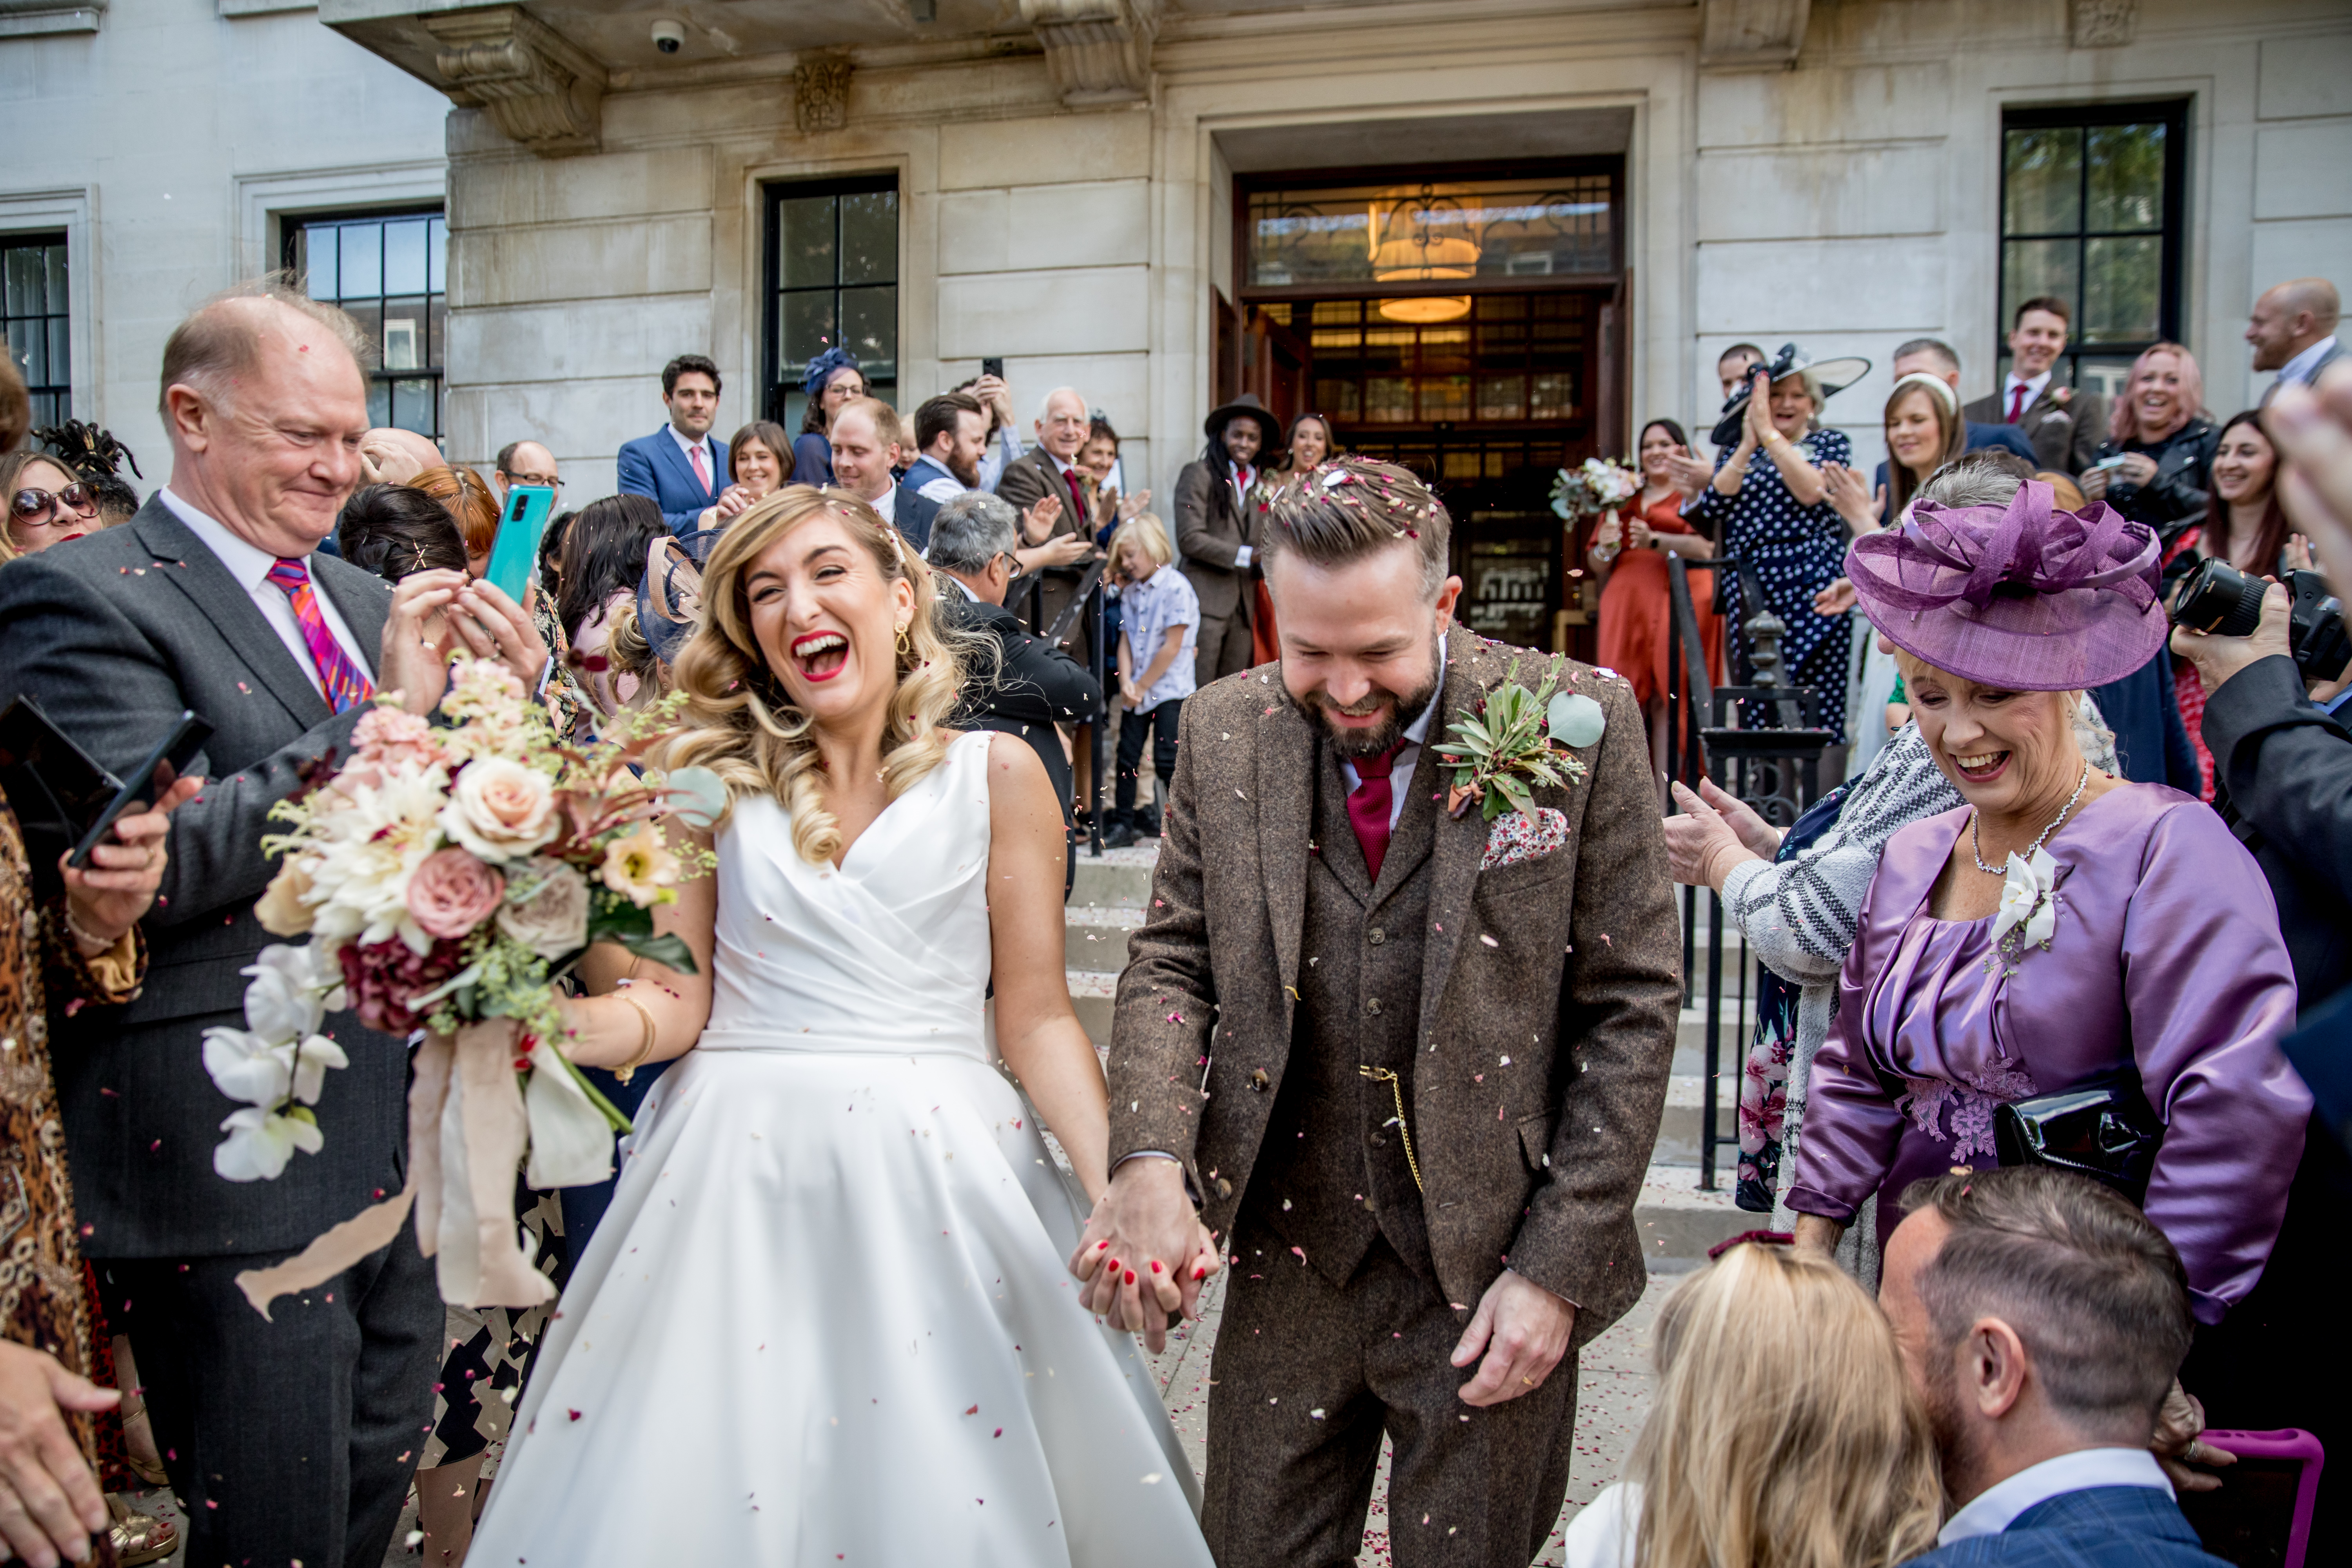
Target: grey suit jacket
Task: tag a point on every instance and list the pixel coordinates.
(114, 634)
(2065, 436)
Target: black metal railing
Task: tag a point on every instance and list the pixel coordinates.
(1091, 605)
(1775, 768)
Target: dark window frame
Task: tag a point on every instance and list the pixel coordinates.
(2173, 113)
(775, 389)
(290, 228)
(61, 392)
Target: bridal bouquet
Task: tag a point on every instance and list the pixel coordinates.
(1592, 489)
(447, 876)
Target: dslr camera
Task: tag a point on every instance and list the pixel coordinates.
(2222, 601)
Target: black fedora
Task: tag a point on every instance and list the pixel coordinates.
(1246, 403)
(1835, 376)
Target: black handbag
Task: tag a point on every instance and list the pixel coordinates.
(2106, 1132)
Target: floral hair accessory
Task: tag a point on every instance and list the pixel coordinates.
(820, 369)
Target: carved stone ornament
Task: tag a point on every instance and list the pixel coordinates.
(1098, 51)
(537, 89)
(1753, 34)
(2103, 24)
(821, 93)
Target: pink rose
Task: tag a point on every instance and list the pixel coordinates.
(391, 735)
(452, 892)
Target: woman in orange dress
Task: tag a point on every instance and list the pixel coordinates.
(1628, 557)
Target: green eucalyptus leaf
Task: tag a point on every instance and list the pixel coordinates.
(665, 949)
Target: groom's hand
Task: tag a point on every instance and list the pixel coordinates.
(1143, 1254)
(1523, 1330)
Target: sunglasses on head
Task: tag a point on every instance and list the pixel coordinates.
(34, 506)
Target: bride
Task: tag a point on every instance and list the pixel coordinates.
(827, 1318)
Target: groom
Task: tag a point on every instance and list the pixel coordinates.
(1411, 1063)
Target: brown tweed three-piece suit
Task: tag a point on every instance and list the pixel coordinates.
(1527, 1012)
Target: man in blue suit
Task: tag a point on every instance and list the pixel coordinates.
(682, 466)
(2042, 1318)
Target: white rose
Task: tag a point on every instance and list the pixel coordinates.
(500, 809)
(546, 909)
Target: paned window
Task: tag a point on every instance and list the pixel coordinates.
(1432, 232)
(2091, 213)
(1508, 358)
(832, 280)
(390, 272)
(35, 319)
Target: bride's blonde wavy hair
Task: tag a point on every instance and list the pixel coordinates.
(740, 722)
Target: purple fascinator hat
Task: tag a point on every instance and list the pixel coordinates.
(2025, 597)
(820, 369)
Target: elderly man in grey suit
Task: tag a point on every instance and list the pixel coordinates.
(290, 1439)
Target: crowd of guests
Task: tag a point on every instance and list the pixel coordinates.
(2001, 902)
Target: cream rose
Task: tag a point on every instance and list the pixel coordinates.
(500, 809)
(281, 908)
(547, 910)
(640, 868)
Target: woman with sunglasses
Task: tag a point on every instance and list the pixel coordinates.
(46, 505)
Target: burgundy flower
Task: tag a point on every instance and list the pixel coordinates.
(384, 975)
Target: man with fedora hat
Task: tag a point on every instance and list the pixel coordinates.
(1217, 507)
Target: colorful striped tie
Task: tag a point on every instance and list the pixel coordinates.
(345, 684)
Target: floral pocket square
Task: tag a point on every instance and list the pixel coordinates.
(1512, 838)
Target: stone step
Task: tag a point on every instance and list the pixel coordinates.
(1095, 936)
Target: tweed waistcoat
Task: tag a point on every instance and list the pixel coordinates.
(1334, 1149)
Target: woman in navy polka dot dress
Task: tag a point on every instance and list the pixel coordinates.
(1769, 503)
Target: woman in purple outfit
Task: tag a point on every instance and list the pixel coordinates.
(2063, 929)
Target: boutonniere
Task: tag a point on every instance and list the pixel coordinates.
(2061, 396)
(1514, 740)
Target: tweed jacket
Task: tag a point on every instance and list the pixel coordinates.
(1025, 482)
(1210, 529)
(1549, 994)
(114, 634)
(2065, 436)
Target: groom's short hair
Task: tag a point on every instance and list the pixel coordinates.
(1345, 509)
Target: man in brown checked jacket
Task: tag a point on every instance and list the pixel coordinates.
(1412, 1064)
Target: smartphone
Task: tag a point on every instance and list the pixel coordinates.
(2114, 462)
(514, 558)
(148, 781)
(56, 788)
(994, 367)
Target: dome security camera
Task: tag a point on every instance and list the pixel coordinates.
(669, 36)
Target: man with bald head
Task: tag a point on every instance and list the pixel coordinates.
(524, 463)
(290, 1439)
(1042, 486)
(2293, 330)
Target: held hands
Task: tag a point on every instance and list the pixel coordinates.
(2218, 657)
(51, 1504)
(1521, 1330)
(112, 894)
(1144, 1253)
(1716, 832)
(1129, 692)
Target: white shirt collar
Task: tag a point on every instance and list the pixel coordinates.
(1993, 1509)
(690, 447)
(1059, 466)
(887, 506)
(2032, 388)
(2299, 368)
(248, 563)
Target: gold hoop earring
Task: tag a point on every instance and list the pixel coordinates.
(904, 647)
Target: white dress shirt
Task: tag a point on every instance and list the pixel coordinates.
(686, 449)
(250, 564)
(887, 506)
(2303, 366)
(2009, 394)
(1408, 755)
(1241, 475)
(1993, 1509)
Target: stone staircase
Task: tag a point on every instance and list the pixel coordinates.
(1679, 1222)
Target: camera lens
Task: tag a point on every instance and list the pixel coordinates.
(2220, 600)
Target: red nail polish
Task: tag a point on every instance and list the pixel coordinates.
(1155, 1265)
(1102, 1246)
(1130, 1277)
(1114, 1264)
(1199, 1273)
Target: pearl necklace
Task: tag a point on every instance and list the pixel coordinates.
(1977, 854)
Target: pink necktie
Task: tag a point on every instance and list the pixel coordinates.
(1369, 804)
(345, 684)
(701, 467)
(2016, 404)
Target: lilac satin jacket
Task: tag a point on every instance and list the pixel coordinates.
(2166, 955)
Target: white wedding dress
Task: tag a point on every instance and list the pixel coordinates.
(826, 1318)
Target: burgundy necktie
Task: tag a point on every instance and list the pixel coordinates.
(1080, 523)
(2016, 403)
(1369, 804)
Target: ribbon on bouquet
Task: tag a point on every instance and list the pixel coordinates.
(470, 1116)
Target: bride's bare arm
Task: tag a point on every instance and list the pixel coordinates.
(607, 1031)
(1040, 1039)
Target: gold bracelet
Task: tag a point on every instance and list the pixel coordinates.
(627, 1069)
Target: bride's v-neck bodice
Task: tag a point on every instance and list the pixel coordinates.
(888, 953)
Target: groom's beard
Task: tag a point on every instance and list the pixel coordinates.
(1370, 741)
